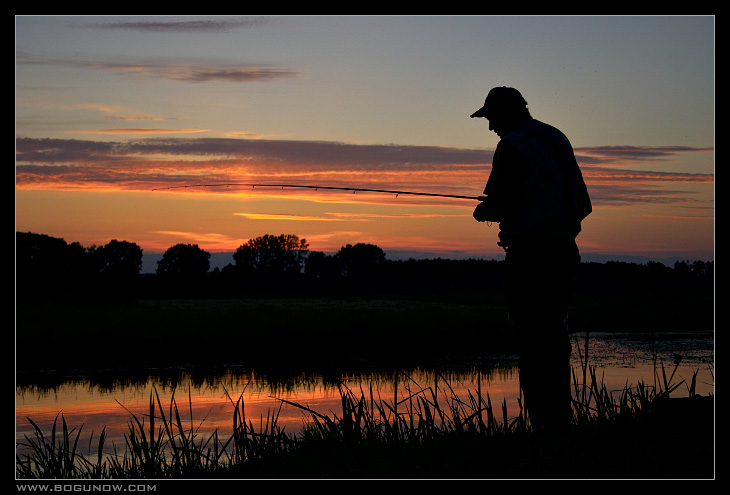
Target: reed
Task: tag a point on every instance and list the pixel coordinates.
(420, 431)
(51, 457)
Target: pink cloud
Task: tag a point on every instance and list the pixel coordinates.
(146, 164)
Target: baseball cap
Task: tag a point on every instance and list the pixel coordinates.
(500, 99)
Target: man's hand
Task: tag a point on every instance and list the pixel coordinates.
(481, 212)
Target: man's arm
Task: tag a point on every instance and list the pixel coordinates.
(492, 208)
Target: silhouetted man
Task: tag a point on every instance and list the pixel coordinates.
(536, 192)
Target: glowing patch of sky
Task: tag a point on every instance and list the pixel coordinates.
(110, 104)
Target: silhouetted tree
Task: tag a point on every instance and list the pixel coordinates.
(42, 259)
(118, 261)
(185, 263)
(360, 260)
(39, 255)
(321, 266)
(272, 255)
(695, 272)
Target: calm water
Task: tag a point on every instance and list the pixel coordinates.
(205, 402)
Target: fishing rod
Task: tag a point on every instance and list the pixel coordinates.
(353, 189)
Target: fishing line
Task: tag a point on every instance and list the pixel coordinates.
(353, 189)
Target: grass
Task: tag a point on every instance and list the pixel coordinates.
(419, 432)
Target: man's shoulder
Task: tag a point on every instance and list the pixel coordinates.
(539, 125)
(529, 128)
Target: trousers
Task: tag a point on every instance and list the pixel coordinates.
(539, 281)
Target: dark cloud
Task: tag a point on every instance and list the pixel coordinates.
(152, 163)
(341, 156)
(312, 154)
(619, 155)
(632, 193)
(184, 71)
(185, 26)
(622, 174)
(192, 73)
(232, 74)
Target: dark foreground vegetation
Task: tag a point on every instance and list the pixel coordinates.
(429, 434)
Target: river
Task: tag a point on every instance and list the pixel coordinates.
(206, 402)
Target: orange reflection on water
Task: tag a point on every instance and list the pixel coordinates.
(210, 406)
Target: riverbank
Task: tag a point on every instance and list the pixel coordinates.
(315, 332)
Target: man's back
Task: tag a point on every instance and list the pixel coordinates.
(550, 195)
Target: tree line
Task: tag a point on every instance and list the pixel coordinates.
(274, 259)
(284, 261)
(271, 255)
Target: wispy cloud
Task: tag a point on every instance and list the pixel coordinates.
(627, 155)
(139, 118)
(182, 70)
(245, 135)
(374, 216)
(625, 193)
(188, 72)
(177, 26)
(103, 108)
(288, 217)
(341, 217)
(138, 130)
(144, 164)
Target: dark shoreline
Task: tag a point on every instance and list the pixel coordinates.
(293, 335)
(406, 314)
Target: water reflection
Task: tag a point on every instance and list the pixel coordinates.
(208, 404)
(207, 400)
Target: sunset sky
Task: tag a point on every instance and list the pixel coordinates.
(110, 108)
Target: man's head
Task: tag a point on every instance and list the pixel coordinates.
(504, 108)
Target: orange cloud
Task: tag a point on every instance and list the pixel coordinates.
(296, 218)
(147, 164)
(138, 130)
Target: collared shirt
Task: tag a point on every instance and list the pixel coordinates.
(536, 186)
